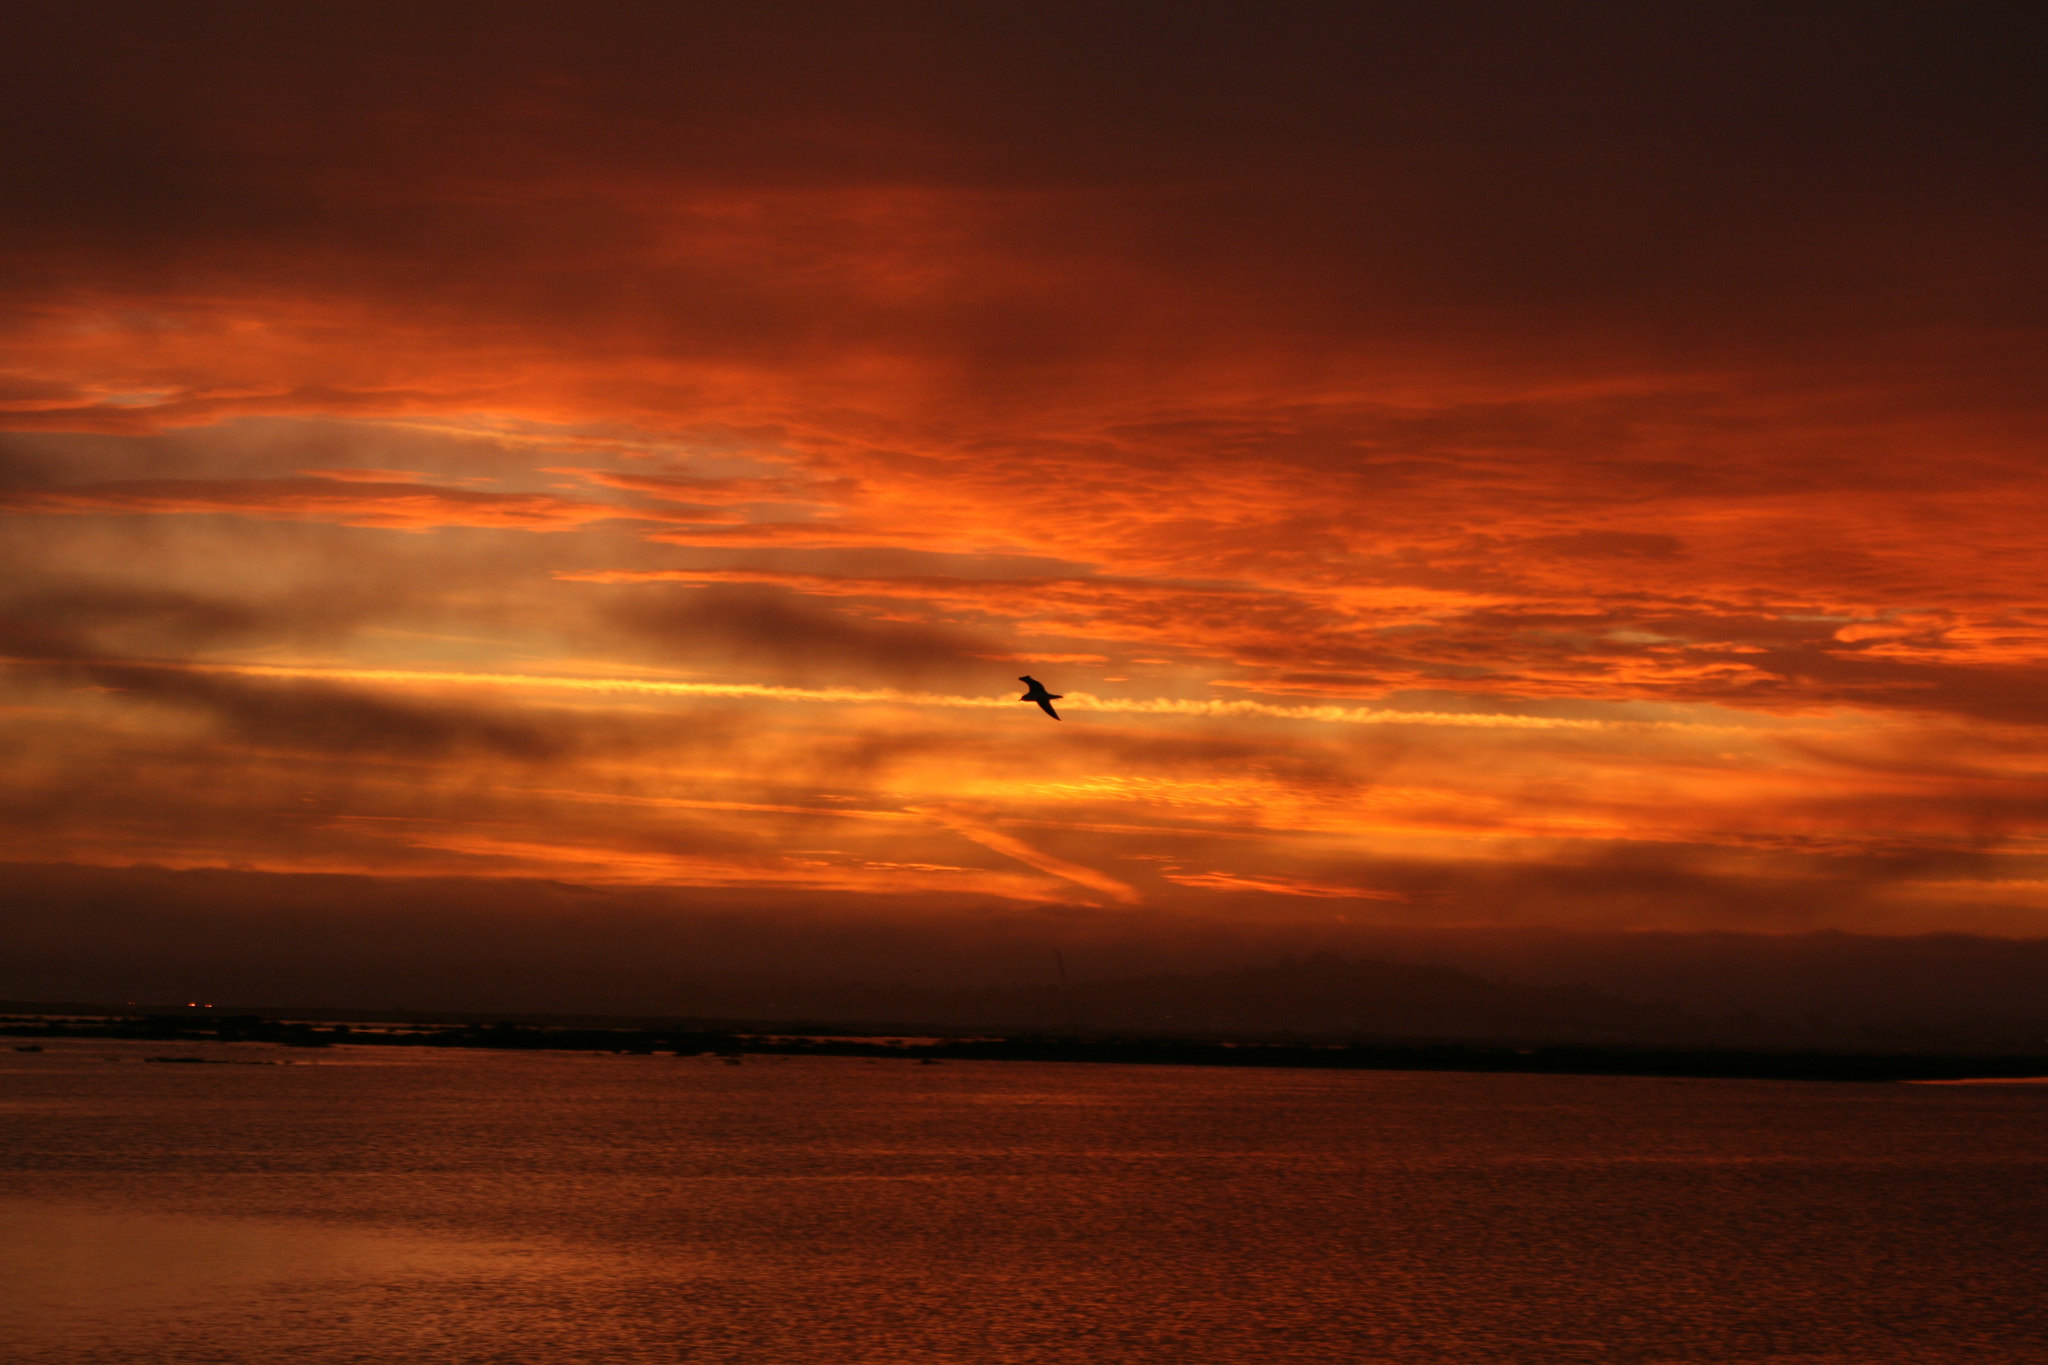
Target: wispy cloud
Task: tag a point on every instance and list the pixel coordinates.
(1078, 701)
(1284, 886)
(344, 501)
(968, 826)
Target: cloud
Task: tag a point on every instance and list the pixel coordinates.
(1606, 544)
(1284, 886)
(715, 492)
(319, 715)
(1078, 701)
(967, 826)
(71, 621)
(761, 627)
(344, 501)
(608, 865)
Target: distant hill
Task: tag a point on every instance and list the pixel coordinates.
(1325, 993)
(1925, 992)
(1322, 994)
(1318, 997)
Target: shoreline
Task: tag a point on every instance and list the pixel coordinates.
(734, 1044)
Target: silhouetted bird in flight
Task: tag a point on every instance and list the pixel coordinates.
(1038, 694)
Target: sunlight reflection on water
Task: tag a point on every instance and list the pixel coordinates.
(371, 1205)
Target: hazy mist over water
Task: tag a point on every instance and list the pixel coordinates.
(366, 1205)
(273, 944)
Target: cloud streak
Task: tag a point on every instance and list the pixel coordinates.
(1080, 701)
(1010, 846)
(334, 498)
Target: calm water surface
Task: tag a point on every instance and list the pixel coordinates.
(374, 1205)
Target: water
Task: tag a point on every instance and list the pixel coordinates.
(372, 1205)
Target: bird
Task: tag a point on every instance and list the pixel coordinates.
(1038, 694)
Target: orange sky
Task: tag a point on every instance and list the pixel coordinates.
(1570, 465)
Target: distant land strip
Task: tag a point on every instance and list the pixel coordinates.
(734, 1046)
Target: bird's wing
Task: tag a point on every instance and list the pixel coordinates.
(1046, 707)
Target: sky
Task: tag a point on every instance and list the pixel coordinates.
(1535, 466)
